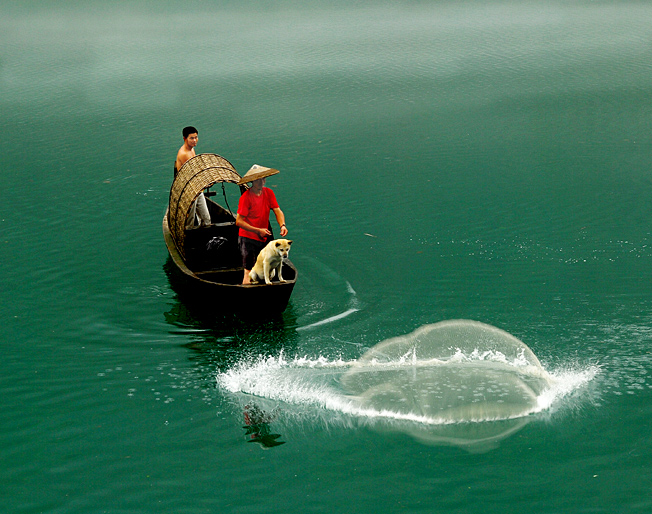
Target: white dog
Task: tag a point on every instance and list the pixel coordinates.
(269, 260)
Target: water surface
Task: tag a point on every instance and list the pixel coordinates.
(439, 160)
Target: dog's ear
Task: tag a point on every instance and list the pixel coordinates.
(278, 244)
(289, 241)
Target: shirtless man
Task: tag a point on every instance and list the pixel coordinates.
(199, 214)
(190, 138)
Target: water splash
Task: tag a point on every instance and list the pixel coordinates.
(455, 382)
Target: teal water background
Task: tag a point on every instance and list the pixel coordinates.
(439, 160)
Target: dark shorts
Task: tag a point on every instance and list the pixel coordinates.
(249, 249)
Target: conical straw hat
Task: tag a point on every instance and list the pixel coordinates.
(257, 172)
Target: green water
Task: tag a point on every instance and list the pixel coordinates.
(439, 160)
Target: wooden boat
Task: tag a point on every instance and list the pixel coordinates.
(207, 259)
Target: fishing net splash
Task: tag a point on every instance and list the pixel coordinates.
(450, 372)
(455, 382)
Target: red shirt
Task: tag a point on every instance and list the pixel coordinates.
(255, 211)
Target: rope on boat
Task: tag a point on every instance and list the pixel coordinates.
(225, 200)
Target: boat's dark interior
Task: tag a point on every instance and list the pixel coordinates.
(214, 247)
(212, 251)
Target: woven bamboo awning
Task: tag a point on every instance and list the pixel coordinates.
(197, 174)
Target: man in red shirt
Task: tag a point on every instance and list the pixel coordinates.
(253, 217)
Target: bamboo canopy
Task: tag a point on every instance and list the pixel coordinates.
(197, 174)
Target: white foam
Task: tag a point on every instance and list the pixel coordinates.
(564, 383)
(353, 302)
(330, 320)
(304, 381)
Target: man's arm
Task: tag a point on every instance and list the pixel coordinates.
(280, 218)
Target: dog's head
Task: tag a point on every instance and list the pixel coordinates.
(282, 247)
